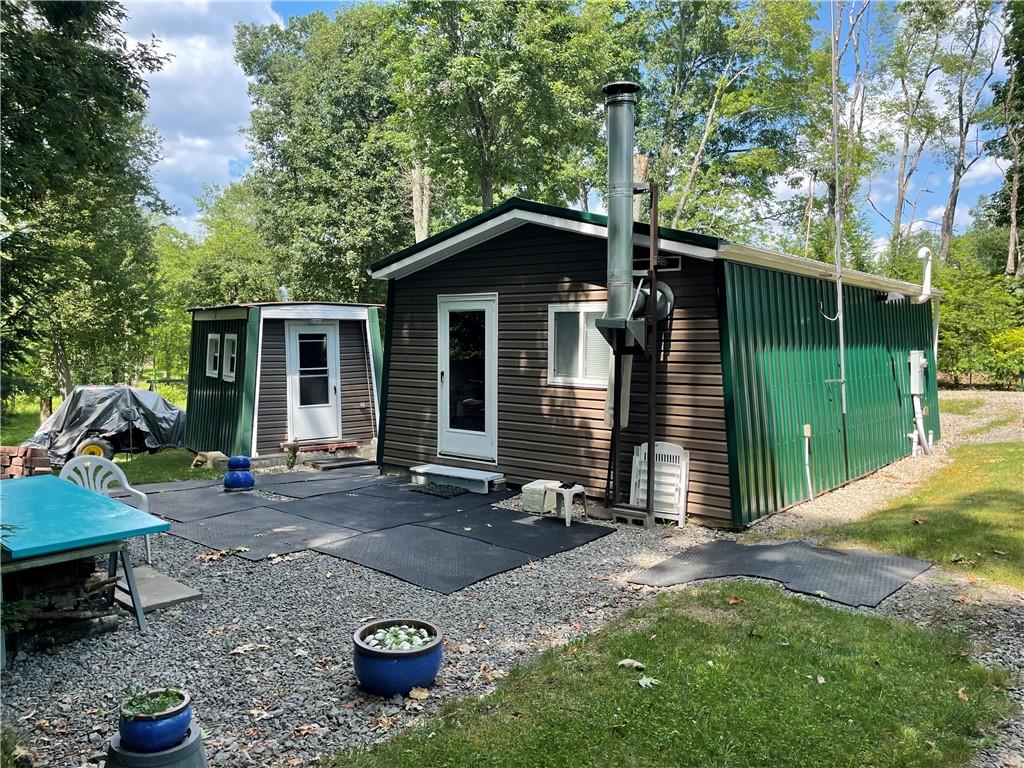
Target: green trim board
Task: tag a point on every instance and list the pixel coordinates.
(389, 326)
(243, 437)
(520, 204)
(377, 355)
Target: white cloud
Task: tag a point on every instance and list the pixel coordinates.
(932, 219)
(198, 101)
(986, 170)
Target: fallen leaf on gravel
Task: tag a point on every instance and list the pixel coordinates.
(632, 664)
(419, 694)
(247, 648)
(385, 723)
(366, 619)
(412, 706)
(465, 648)
(307, 729)
(492, 675)
(530, 566)
(353, 703)
(482, 625)
(962, 694)
(648, 682)
(294, 761)
(962, 599)
(301, 652)
(42, 725)
(220, 630)
(258, 713)
(734, 600)
(209, 557)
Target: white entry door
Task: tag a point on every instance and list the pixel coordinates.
(314, 402)
(467, 376)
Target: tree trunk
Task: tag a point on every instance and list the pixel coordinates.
(812, 182)
(1013, 260)
(486, 190)
(421, 194)
(949, 214)
(60, 358)
(640, 163)
(45, 407)
(584, 197)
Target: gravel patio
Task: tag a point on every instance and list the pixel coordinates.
(266, 652)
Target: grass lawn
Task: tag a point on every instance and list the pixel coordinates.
(968, 517)
(960, 406)
(765, 680)
(18, 426)
(167, 465)
(988, 426)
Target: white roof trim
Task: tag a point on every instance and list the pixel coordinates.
(313, 312)
(743, 254)
(784, 262)
(510, 220)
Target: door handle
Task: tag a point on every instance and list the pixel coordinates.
(442, 377)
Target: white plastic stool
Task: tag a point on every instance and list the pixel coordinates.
(567, 496)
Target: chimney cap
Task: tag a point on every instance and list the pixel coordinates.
(620, 87)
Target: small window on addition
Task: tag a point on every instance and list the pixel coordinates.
(213, 354)
(230, 355)
(578, 355)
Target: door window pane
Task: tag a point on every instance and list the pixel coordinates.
(467, 398)
(567, 344)
(313, 389)
(312, 350)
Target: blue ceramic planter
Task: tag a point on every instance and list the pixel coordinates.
(156, 733)
(385, 672)
(239, 477)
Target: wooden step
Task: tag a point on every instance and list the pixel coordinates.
(324, 465)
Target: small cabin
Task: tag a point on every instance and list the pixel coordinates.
(264, 375)
(494, 361)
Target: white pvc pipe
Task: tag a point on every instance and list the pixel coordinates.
(807, 466)
(921, 434)
(926, 281)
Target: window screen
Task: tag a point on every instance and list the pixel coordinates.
(577, 354)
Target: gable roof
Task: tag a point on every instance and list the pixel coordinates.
(517, 212)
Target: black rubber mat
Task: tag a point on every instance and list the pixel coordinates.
(537, 536)
(275, 478)
(308, 489)
(440, 490)
(852, 577)
(404, 492)
(176, 485)
(201, 503)
(362, 513)
(259, 533)
(431, 559)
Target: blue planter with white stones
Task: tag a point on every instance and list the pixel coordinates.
(386, 672)
(239, 476)
(156, 732)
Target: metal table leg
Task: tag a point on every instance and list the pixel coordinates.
(133, 591)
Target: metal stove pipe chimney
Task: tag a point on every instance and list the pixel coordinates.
(620, 100)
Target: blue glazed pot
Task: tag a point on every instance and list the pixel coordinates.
(238, 462)
(239, 480)
(385, 672)
(156, 733)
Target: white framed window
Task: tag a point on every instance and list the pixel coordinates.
(230, 356)
(213, 354)
(578, 355)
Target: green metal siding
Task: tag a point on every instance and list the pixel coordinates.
(217, 408)
(781, 370)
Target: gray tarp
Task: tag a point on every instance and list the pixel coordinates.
(105, 412)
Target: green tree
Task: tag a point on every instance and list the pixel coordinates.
(330, 174)
(75, 164)
(726, 87)
(501, 97)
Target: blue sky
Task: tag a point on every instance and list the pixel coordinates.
(200, 107)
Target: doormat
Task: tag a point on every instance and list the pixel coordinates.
(440, 490)
(852, 577)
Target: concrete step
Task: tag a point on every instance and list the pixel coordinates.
(474, 480)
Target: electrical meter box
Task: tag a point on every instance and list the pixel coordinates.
(918, 365)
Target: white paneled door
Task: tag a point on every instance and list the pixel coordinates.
(314, 401)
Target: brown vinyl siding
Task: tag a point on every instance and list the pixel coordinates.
(272, 406)
(358, 420)
(547, 430)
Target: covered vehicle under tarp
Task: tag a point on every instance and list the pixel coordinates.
(126, 419)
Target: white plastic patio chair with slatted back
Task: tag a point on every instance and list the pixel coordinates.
(102, 476)
(671, 476)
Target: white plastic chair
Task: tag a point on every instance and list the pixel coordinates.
(671, 477)
(102, 475)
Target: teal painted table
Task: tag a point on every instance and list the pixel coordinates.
(47, 520)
